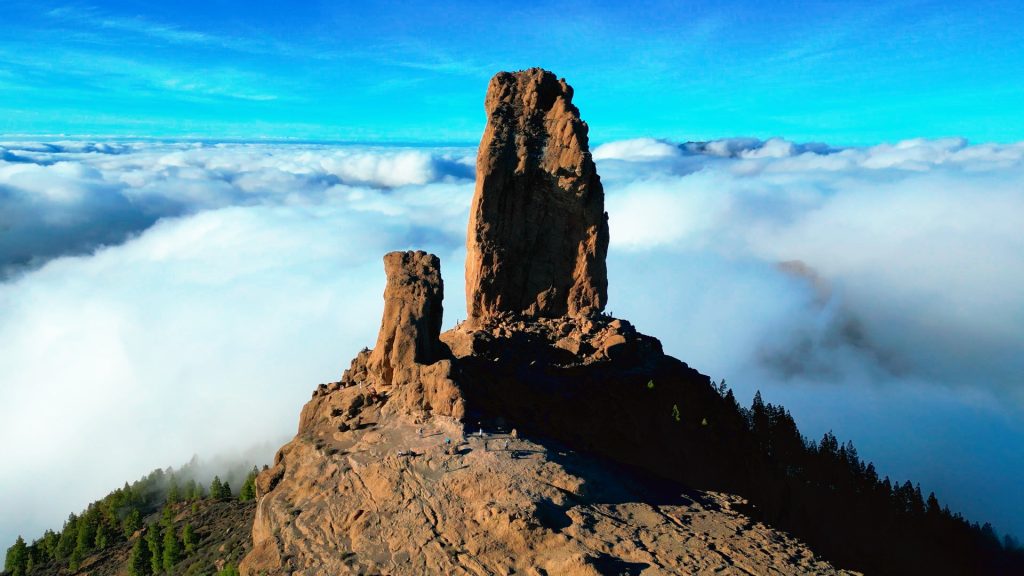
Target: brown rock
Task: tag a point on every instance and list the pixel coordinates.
(382, 478)
(538, 233)
(614, 345)
(409, 361)
(392, 500)
(412, 317)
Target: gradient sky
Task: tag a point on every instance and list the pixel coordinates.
(842, 72)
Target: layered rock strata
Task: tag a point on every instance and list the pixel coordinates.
(538, 233)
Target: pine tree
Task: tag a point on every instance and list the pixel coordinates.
(86, 539)
(102, 536)
(68, 538)
(172, 549)
(173, 492)
(197, 491)
(189, 539)
(139, 563)
(131, 523)
(167, 515)
(76, 558)
(225, 491)
(933, 509)
(48, 544)
(189, 490)
(216, 488)
(248, 491)
(16, 562)
(155, 552)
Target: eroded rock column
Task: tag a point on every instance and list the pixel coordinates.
(413, 312)
(409, 363)
(538, 232)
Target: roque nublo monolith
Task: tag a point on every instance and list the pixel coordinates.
(538, 232)
(382, 476)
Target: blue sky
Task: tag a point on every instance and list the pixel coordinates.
(841, 72)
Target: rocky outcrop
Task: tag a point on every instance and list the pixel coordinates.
(412, 318)
(406, 379)
(409, 364)
(538, 233)
(382, 477)
(599, 385)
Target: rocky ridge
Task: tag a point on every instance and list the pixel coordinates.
(539, 437)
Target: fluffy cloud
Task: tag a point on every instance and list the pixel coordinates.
(912, 248)
(72, 197)
(176, 298)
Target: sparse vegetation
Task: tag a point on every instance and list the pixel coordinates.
(248, 491)
(147, 519)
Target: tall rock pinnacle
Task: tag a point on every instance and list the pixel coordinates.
(409, 362)
(412, 316)
(538, 232)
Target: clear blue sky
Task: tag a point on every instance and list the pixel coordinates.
(843, 72)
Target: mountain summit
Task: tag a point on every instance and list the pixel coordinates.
(538, 437)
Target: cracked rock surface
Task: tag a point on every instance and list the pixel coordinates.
(391, 495)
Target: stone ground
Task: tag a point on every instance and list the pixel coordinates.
(390, 496)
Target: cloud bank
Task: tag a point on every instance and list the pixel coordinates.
(166, 299)
(910, 251)
(72, 197)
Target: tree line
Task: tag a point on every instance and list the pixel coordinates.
(825, 494)
(124, 516)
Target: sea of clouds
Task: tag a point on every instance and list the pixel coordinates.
(161, 299)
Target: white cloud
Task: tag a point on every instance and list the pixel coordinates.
(186, 298)
(636, 149)
(71, 197)
(919, 239)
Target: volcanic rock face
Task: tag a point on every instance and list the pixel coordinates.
(538, 233)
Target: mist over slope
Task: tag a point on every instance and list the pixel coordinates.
(164, 299)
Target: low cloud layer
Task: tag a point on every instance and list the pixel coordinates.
(166, 299)
(72, 197)
(909, 254)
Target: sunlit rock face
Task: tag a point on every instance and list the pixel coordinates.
(538, 232)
